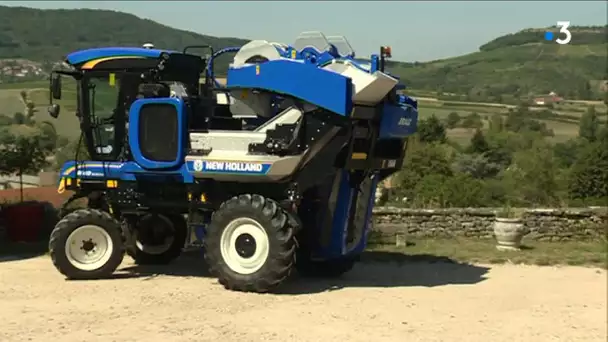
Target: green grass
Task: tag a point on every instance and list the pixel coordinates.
(67, 123)
(564, 125)
(441, 113)
(24, 85)
(484, 251)
(563, 131)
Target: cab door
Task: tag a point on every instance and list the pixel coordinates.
(156, 132)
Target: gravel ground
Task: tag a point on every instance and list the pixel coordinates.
(376, 302)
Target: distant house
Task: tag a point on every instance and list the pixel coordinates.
(13, 182)
(545, 100)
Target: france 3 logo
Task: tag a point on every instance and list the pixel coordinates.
(563, 37)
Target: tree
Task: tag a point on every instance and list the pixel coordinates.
(426, 159)
(22, 154)
(459, 190)
(589, 174)
(589, 125)
(452, 120)
(532, 176)
(603, 134)
(431, 130)
(472, 120)
(567, 152)
(5, 120)
(68, 152)
(584, 91)
(463, 191)
(516, 120)
(475, 165)
(48, 135)
(29, 106)
(19, 119)
(478, 143)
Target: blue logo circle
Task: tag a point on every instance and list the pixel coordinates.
(549, 35)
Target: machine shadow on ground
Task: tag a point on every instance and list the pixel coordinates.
(22, 251)
(390, 269)
(377, 269)
(190, 264)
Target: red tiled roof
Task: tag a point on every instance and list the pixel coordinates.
(42, 194)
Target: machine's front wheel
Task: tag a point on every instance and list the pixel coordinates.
(250, 244)
(158, 239)
(87, 244)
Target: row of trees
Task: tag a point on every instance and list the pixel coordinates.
(509, 163)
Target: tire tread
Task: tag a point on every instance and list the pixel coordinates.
(280, 232)
(77, 219)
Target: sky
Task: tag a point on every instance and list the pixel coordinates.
(416, 31)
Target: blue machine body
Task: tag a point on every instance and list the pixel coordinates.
(324, 89)
(333, 92)
(300, 77)
(83, 56)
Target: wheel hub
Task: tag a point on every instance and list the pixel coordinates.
(245, 245)
(88, 247)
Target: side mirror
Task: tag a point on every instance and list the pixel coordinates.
(56, 86)
(54, 110)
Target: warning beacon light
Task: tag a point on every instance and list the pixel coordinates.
(385, 51)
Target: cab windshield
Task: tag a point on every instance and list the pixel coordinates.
(103, 92)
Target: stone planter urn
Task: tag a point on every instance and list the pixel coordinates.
(509, 232)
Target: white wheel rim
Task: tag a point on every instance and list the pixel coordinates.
(230, 253)
(89, 247)
(160, 248)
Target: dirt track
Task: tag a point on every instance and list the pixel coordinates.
(376, 302)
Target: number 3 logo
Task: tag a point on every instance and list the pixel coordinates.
(563, 25)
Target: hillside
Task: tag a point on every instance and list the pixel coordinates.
(519, 65)
(46, 35)
(507, 69)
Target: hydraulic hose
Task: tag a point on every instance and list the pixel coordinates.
(210, 72)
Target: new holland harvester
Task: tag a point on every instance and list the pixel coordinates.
(279, 165)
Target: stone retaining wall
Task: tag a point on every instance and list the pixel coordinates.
(572, 224)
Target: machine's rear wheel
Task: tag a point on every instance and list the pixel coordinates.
(86, 244)
(158, 239)
(308, 267)
(250, 244)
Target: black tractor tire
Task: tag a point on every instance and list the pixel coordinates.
(180, 232)
(277, 230)
(307, 267)
(94, 201)
(61, 236)
(324, 269)
(63, 212)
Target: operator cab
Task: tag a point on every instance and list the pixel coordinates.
(109, 80)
